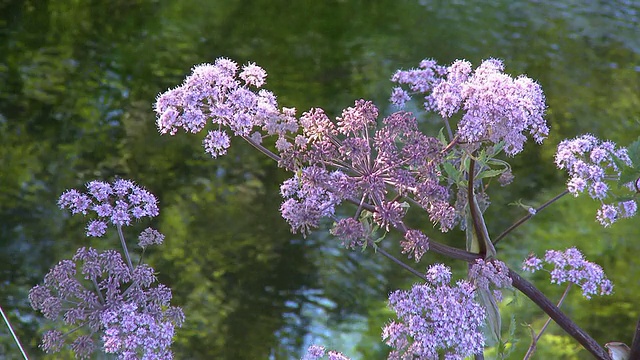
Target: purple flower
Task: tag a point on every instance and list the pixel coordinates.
(590, 162)
(415, 243)
(334, 355)
(399, 97)
(307, 200)
(116, 203)
(423, 79)
(96, 228)
(216, 143)
(571, 266)
(496, 108)
(213, 92)
(314, 352)
(350, 231)
(435, 317)
(52, 341)
(532, 264)
(74, 201)
(358, 118)
(133, 316)
(388, 213)
(253, 75)
(83, 346)
(149, 237)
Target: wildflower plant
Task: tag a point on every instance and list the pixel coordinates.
(383, 167)
(106, 301)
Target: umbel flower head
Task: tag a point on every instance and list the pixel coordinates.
(103, 300)
(370, 157)
(114, 305)
(116, 203)
(571, 266)
(495, 107)
(218, 93)
(590, 162)
(435, 317)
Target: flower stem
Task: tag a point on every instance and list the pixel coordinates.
(15, 338)
(535, 339)
(124, 247)
(402, 264)
(528, 216)
(262, 149)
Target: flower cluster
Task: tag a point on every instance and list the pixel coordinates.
(570, 266)
(370, 159)
(116, 203)
(372, 162)
(315, 352)
(497, 108)
(350, 231)
(218, 93)
(415, 244)
(97, 291)
(492, 273)
(306, 200)
(590, 162)
(421, 80)
(435, 317)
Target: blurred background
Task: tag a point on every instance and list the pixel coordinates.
(77, 83)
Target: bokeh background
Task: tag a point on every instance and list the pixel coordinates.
(77, 84)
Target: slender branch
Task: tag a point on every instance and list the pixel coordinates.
(124, 247)
(558, 316)
(448, 126)
(15, 337)
(536, 338)
(98, 291)
(399, 262)
(528, 216)
(485, 246)
(263, 149)
(471, 200)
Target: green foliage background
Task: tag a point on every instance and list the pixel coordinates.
(77, 83)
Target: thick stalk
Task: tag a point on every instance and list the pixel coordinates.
(558, 316)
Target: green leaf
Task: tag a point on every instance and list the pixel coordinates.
(634, 152)
(628, 175)
(490, 173)
(451, 171)
(494, 323)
